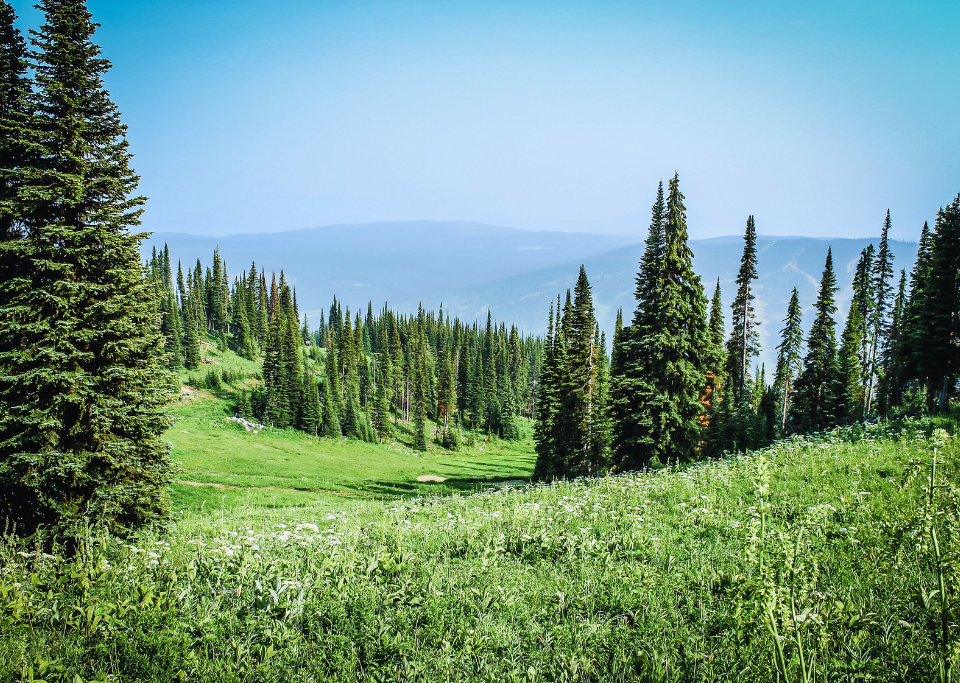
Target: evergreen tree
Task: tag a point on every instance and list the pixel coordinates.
(788, 357)
(243, 408)
(911, 338)
(715, 357)
(18, 158)
(616, 363)
(850, 401)
(420, 396)
(815, 391)
(891, 384)
(937, 357)
(878, 321)
(657, 406)
(332, 399)
(312, 415)
(192, 357)
(446, 392)
(579, 435)
(549, 399)
(381, 407)
(82, 386)
(744, 340)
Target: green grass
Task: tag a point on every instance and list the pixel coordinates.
(299, 469)
(817, 549)
(228, 466)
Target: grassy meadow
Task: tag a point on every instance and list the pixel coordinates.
(223, 464)
(813, 560)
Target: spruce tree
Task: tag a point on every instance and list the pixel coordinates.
(545, 466)
(911, 338)
(878, 321)
(891, 384)
(578, 448)
(419, 396)
(332, 400)
(715, 357)
(381, 408)
(850, 401)
(657, 399)
(82, 387)
(446, 392)
(18, 132)
(192, 357)
(936, 352)
(815, 391)
(744, 340)
(789, 357)
(311, 414)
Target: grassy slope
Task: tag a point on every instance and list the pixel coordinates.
(287, 468)
(654, 576)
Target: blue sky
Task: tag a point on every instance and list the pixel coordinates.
(814, 116)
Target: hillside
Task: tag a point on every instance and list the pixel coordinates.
(693, 574)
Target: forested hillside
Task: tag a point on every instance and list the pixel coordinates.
(472, 268)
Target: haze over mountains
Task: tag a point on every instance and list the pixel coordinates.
(472, 267)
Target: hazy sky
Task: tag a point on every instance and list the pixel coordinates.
(815, 116)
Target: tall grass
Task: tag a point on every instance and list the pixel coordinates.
(828, 558)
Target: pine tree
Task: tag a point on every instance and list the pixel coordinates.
(715, 357)
(420, 396)
(815, 391)
(446, 392)
(864, 295)
(850, 401)
(192, 357)
(549, 465)
(878, 321)
(243, 408)
(891, 384)
(744, 340)
(18, 159)
(332, 399)
(616, 362)
(657, 406)
(911, 338)
(82, 386)
(381, 407)
(312, 415)
(579, 435)
(936, 352)
(788, 357)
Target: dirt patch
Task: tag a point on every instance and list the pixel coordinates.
(203, 483)
(430, 477)
(268, 488)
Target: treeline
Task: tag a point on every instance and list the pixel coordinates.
(354, 376)
(677, 387)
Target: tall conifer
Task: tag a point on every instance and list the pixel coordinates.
(657, 407)
(878, 322)
(789, 357)
(744, 340)
(815, 392)
(82, 387)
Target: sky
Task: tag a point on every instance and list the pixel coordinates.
(816, 117)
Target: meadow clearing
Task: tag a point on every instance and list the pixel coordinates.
(812, 560)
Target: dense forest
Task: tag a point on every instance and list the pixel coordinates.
(678, 388)
(352, 376)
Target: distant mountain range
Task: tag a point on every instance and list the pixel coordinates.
(471, 267)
